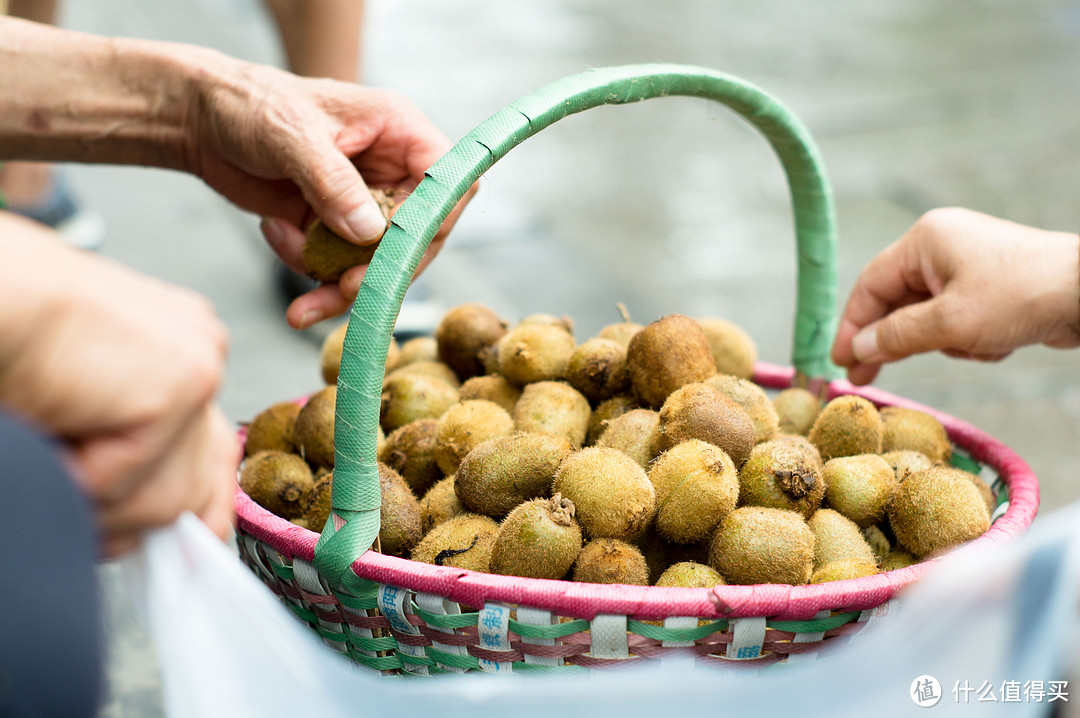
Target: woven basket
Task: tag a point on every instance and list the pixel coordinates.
(394, 615)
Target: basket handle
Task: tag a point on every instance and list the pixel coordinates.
(354, 520)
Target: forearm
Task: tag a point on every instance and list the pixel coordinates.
(83, 98)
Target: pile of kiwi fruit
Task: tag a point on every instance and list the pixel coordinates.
(643, 455)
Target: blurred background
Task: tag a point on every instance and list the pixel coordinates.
(666, 206)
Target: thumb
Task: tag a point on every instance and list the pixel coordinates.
(913, 329)
(337, 193)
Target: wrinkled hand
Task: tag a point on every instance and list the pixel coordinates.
(293, 149)
(123, 368)
(967, 284)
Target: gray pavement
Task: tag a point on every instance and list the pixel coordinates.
(668, 206)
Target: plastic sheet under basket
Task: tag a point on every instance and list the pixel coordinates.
(1002, 617)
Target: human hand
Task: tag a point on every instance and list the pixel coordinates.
(123, 369)
(967, 284)
(293, 149)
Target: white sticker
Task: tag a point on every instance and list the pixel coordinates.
(747, 637)
(392, 606)
(493, 626)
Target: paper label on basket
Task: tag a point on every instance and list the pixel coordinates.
(493, 626)
(747, 637)
(392, 605)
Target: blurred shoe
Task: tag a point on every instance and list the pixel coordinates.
(79, 226)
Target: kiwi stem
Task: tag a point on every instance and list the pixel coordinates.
(622, 312)
(562, 510)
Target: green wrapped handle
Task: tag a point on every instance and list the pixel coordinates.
(354, 520)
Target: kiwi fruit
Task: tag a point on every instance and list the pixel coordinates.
(491, 387)
(667, 354)
(754, 544)
(408, 397)
(279, 482)
(301, 522)
(609, 560)
(620, 333)
(734, 352)
(843, 570)
(440, 503)
(332, 347)
(803, 443)
(634, 433)
(501, 473)
(313, 431)
(848, 425)
(896, 559)
(466, 425)
(837, 538)
(905, 463)
(690, 574)
(753, 399)
(860, 487)
(534, 352)
(937, 509)
(610, 491)
(464, 541)
(410, 451)
(782, 475)
(796, 410)
(564, 323)
(437, 369)
(604, 412)
(913, 430)
(327, 255)
(318, 510)
(538, 539)
(399, 514)
(272, 429)
(699, 411)
(597, 369)
(464, 333)
(696, 485)
(553, 407)
(419, 349)
(985, 491)
(877, 540)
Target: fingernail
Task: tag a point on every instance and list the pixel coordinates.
(272, 230)
(865, 347)
(310, 317)
(367, 222)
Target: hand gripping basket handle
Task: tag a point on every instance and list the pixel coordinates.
(354, 521)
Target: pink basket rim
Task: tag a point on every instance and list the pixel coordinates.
(654, 603)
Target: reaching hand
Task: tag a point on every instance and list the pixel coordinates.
(964, 283)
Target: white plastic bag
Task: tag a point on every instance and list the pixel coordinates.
(1004, 618)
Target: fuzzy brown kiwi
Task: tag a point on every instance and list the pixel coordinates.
(501, 473)
(399, 514)
(301, 522)
(279, 482)
(796, 410)
(782, 475)
(565, 323)
(437, 369)
(604, 412)
(909, 429)
(937, 509)
(408, 397)
(753, 399)
(690, 574)
(985, 491)
(803, 443)
(860, 487)
(327, 255)
(699, 411)
(466, 425)
(313, 431)
(635, 433)
(847, 426)
(419, 349)
(837, 538)
(620, 333)
(464, 333)
(696, 485)
(464, 541)
(896, 559)
(440, 504)
(491, 387)
(553, 407)
(597, 369)
(538, 539)
(844, 570)
(609, 560)
(734, 352)
(272, 429)
(754, 545)
(410, 451)
(611, 492)
(667, 354)
(534, 352)
(318, 510)
(877, 540)
(330, 354)
(905, 463)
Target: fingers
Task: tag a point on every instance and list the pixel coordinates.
(286, 240)
(337, 193)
